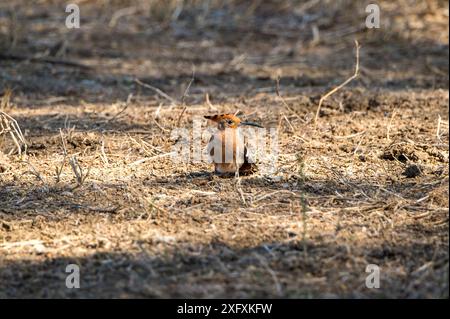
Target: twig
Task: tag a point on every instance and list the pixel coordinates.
(162, 210)
(323, 98)
(186, 91)
(80, 177)
(121, 13)
(357, 146)
(103, 154)
(160, 127)
(208, 102)
(238, 186)
(438, 130)
(260, 198)
(316, 35)
(150, 158)
(125, 106)
(289, 122)
(155, 89)
(349, 136)
(184, 96)
(63, 142)
(34, 172)
(50, 60)
(9, 125)
(390, 124)
(59, 171)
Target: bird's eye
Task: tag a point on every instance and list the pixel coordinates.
(229, 122)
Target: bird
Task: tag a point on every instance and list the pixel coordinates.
(227, 147)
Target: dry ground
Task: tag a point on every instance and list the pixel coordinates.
(367, 185)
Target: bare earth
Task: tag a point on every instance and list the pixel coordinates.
(367, 185)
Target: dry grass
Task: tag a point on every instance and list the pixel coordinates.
(98, 186)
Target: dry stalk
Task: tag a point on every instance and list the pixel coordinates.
(156, 207)
(238, 187)
(103, 153)
(121, 13)
(9, 125)
(186, 91)
(80, 176)
(438, 129)
(58, 170)
(50, 60)
(151, 158)
(388, 137)
(68, 130)
(5, 102)
(208, 102)
(355, 75)
(125, 106)
(166, 96)
(155, 89)
(34, 172)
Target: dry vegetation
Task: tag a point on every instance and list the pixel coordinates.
(367, 184)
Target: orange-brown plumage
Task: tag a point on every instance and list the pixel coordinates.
(226, 147)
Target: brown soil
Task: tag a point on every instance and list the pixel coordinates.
(367, 185)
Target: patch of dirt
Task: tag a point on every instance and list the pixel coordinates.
(412, 171)
(403, 153)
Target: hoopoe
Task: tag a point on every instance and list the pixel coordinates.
(226, 146)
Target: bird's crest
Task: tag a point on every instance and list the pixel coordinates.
(229, 120)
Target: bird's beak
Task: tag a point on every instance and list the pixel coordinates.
(251, 124)
(211, 117)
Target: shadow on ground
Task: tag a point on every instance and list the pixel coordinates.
(299, 269)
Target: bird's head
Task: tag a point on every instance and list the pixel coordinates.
(228, 121)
